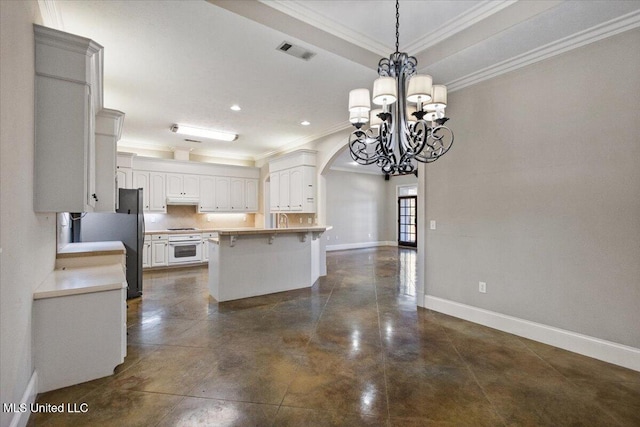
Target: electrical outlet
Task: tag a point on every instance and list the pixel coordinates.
(309, 220)
(300, 220)
(482, 287)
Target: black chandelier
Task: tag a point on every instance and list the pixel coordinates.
(410, 125)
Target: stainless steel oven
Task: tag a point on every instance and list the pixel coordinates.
(185, 248)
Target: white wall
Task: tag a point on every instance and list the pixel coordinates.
(540, 196)
(28, 240)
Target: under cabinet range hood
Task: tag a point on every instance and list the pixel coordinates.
(182, 200)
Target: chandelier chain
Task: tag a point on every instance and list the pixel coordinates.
(397, 26)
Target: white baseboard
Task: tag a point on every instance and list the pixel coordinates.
(361, 245)
(20, 419)
(618, 354)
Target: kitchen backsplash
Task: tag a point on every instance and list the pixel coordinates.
(301, 219)
(186, 216)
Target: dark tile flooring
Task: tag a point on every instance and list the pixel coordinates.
(353, 350)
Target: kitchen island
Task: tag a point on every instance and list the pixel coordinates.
(247, 262)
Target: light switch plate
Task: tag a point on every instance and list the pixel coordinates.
(432, 224)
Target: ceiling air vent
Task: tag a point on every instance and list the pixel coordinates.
(296, 51)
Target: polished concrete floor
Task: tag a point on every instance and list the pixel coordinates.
(353, 350)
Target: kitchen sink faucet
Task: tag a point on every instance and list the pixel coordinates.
(286, 220)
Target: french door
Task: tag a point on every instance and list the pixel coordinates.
(407, 220)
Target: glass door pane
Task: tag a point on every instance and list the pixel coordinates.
(407, 220)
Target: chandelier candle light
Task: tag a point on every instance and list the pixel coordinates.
(410, 125)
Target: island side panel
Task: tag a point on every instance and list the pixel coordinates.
(214, 270)
(258, 264)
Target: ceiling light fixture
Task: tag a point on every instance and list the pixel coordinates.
(305, 123)
(203, 133)
(403, 132)
(236, 107)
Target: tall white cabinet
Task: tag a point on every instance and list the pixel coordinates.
(68, 94)
(108, 132)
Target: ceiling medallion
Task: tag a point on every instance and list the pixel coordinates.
(403, 132)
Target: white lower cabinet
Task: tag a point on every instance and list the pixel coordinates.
(205, 245)
(159, 250)
(79, 324)
(146, 252)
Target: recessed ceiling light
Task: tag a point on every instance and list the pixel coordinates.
(305, 123)
(236, 107)
(203, 133)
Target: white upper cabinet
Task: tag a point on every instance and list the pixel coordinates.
(296, 185)
(183, 186)
(153, 192)
(274, 187)
(211, 188)
(237, 194)
(251, 195)
(223, 195)
(293, 190)
(285, 189)
(157, 193)
(68, 94)
(124, 171)
(293, 183)
(141, 180)
(207, 194)
(244, 195)
(191, 186)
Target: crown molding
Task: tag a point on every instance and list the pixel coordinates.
(472, 16)
(481, 11)
(123, 145)
(51, 16)
(607, 29)
(302, 141)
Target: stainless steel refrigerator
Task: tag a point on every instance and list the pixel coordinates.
(126, 225)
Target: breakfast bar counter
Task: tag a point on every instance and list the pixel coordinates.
(247, 262)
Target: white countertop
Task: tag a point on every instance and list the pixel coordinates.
(72, 250)
(75, 281)
(243, 230)
(240, 231)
